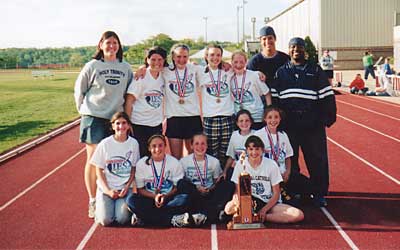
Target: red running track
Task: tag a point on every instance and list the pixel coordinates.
(363, 202)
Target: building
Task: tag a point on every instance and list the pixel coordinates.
(347, 28)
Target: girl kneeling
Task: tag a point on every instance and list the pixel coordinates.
(265, 179)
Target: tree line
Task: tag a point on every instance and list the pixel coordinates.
(12, 58)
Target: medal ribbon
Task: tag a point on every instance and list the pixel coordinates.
(242, 91)
(196, 166)
(217, 87)
(158, 179)
(181, 85)
(275, 154)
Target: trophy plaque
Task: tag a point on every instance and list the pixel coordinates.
(244, 218)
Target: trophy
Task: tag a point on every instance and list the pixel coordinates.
(244, 218)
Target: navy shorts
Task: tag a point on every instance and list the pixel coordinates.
(94, 129)
(183, 127)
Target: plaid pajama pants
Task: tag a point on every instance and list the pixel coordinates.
(218, 130)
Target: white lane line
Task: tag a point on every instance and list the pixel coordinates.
(214, 238)
(369, 110)
(373, 130)
(87, 236)
(366, 162)
(339, 229)
(39, 181)
(372, 99)
(38, 141)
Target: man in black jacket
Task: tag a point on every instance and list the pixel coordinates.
(307, 99)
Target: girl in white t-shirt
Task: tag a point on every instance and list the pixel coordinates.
(277, 144)
(217, 103)
(115, 159)
(182, 107)
(265, 179)
(237, 140)
(144, 99)
(157, 202)
(208, 194)
(247, 89)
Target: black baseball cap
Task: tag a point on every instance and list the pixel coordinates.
(267, 31)
(297, 41)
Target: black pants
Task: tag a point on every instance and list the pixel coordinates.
(313, 145)
(142, 134)
(210, 204)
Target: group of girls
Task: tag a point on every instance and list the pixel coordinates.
(171, 189)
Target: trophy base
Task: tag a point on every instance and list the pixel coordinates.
(231, 225)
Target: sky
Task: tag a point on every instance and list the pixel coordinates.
(74, 23)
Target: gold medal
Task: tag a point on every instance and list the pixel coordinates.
(181, 101)
(218, 100)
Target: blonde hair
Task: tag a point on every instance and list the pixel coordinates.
(239, 52)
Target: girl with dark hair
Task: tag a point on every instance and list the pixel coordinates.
(265, 191)
(157, 202)
(99, 93)
(145, 98)
(236, 143)
(277, 144)
(115, 159)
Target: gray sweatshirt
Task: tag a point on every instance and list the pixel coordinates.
(101, 87)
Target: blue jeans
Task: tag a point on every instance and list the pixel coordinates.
(146, 210)
(109, 210)
(369, 70)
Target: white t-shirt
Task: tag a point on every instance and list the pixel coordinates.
(236, 144)
(190, 107)
(117, 159)
(209, 93)
(173, 172)
(253, 88)
(285, 148)
(213, 169)
(263, 177)
(149, 93)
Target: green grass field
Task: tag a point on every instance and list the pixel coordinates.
(30, 107)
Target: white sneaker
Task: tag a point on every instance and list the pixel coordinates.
(199, 219)
(135, 221)
(91, 209)
(180, 220)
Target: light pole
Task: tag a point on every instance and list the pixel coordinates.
(244, 33)
(253, 34)
(237, 17)
(205, 19)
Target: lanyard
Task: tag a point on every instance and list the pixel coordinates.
(275, 154)
(158, 179)
(196, 166)
(216, 87)
(239, 95)
(181, 84)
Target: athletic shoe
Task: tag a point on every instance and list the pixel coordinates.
(135, 221)
(180, 220)
(92, 209)
(199, 219)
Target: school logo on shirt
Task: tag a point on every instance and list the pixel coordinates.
(120, 165)
(188, 89)
(112, 81)
(154, 98)
(282, 153)
(166, 186)
(247, 96)
(224, 91)
(112, 76)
